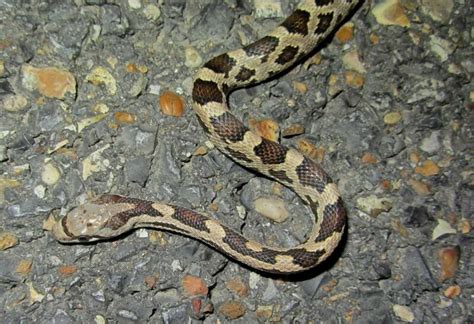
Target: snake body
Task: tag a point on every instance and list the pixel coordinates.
(111, 215)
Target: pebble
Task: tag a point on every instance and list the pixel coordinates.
(438, 10)
(313, 152)
(238, 286)
(404, 313)
(271, 208)
(368, 158)
(152, 12)
(452, 291)
(431, 144)
(171, 104)
(264, 312)
(67, 270)
(354, 79)
(345, 33)
(135, 4)
(232, 309)
(351, 61)
(300, 87)
(373, 205)
(88, 121)
(392, 118)
(50, 174)
(449, 261)
(49, 81)
(265, 128)
(267, 8)
(94, 163)
(101, 76)
(7, 240)
(293, 130)
(443, 228)
(441, 47)
(14, 103)
(390, 12)
(192, 58)
(194, 286)
(428, 168)
(419, 187)
(24, 267)
(123, 117)
(34, 295)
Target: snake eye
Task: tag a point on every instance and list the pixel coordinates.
(82, 238)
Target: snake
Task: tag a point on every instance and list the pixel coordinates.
(111, 215)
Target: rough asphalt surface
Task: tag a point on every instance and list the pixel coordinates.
(386, 106)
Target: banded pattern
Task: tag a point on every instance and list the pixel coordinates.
(112, 215)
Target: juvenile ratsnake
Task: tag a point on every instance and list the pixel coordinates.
(111, 215)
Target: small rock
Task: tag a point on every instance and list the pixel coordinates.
(264, 312)
(50, 174)
(438, 10)
(443, 228)
(390, 12)
(368, 158)
(88, 121)
(232, 310)
(354, 79)
(134, 4)
(24, 267)
(14, 103)
(452, 291)
(431, 144)
(267, 9)
(171, 104)
(7, 240)
(441, 47)
(35, 296)
(100, 76)
(392, 118)
(351, 61)
(419, 187)
(238, 286)
(428, 168)
(404, 313)
(313, 152)
(194, 286)
(123, 117)
(373, 206)
(293, 130)
(464, 226)
(345, 33)
(152, 12)
(50, 82)
(67, 270)
(95, 162)
(449, 261)
(265, 128)
(192, 58)
(271, 208)
(300, 87)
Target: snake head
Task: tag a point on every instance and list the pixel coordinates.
(92, 221)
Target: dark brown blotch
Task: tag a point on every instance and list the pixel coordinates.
(280, 175)
(287, 55)
(141, 207)
(324, 21)
(270, 152)
(221, 64)
(262, 48)
(190, 218)
(310, 174)
(320, 3)
(305, 258)
(238, 155)
(228, 127)
(245, 74)
(207, 91)
(334, 220)
(297, 22)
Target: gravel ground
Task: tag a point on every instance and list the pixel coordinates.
(90, 94)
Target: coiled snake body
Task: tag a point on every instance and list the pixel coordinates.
(112, 215)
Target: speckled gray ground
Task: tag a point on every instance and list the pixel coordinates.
(399, 146)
